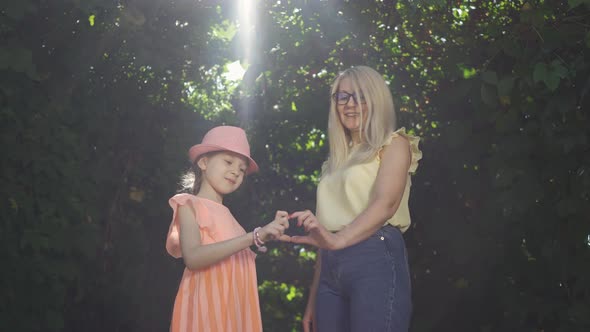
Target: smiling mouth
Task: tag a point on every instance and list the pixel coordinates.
(231, 181)
(351, 114)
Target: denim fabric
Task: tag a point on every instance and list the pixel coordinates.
(365, 287)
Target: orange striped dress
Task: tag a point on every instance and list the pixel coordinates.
(222, 297)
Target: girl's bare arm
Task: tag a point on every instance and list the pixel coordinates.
(197, 256)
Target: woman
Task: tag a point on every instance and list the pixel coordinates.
(363, 283)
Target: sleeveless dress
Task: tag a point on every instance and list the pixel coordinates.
(221, 297)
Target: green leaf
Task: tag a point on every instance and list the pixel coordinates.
(558, 69)
(506, 122)
(489, 95)
(505, 86)
(588, 40)
(458, 133)
(225, 31)
(13, 204)
(552, 82)
(538, 18)
(468, 72)
(18, 9)
(490, 77)
(540, 72)
(18, 59)
(550, 75)
(512, 48)
(461, 283)
(91, 19)
(533, 16)
(576, 3)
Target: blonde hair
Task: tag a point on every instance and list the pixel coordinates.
(380, 124)
(190, 181)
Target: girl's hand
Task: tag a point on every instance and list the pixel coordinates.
(317, 234)
(276, 228)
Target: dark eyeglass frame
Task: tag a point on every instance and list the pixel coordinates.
(343, 97)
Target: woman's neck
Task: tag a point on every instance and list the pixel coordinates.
(355, 138)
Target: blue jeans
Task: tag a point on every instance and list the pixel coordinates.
(365, 287)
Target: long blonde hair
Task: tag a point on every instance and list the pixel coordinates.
(380, 124)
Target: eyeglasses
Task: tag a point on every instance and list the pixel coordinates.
(342, 98)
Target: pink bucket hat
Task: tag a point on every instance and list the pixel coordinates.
(224, 138)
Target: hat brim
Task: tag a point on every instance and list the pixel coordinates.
(200, 149)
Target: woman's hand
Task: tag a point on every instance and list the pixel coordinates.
(317, 235)
(275, 229)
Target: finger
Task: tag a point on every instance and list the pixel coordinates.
(313, 227)
(301, 219)
(276, 226)
(299, 215)
(285, 223)
(310, 224)
(282, 219)
(275, 229)
(295, 214)
(275, 233)
(309, 215)
(281, 214)
(285, 238)
(278, 233)
(280, 228)
(303, 240)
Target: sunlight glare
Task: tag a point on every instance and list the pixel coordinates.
(234, 72)
(247, 19)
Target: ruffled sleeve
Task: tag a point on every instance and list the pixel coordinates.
(414, 149)
(324, 167)
(201, 214)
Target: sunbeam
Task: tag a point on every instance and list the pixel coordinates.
(247, 19)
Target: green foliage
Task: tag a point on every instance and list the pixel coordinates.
(549, 74)
(576, 3)
(18, 60)
(99, 102)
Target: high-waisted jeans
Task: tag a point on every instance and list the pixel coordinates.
(365, 287)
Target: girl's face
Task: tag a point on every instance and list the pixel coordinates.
(222, 174)
(351, 108)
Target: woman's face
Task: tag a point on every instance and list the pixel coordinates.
(349, 112)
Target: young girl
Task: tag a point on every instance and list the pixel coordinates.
(218, 290)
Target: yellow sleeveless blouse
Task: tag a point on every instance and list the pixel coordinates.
(344, 194)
